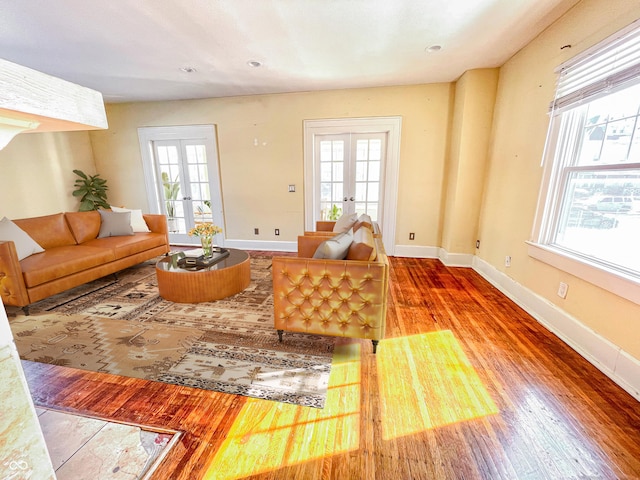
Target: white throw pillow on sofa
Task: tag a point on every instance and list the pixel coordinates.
(345, 222)
(335, 248)
(137, 220)
(25, 245)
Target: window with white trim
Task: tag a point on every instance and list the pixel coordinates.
(590, 203)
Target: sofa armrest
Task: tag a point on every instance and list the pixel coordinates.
(308, 244)
(325, 225)
(319, 234)
(12, 288)
(326, 228)
(157, 223)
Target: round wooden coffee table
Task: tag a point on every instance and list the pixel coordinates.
(223, 279)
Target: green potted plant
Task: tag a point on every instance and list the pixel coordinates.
(334, 213)
(92, 191)
(171, 190)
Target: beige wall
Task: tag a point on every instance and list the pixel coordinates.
(255, 178)
(526, 86)
(475, 95)
(36, 173)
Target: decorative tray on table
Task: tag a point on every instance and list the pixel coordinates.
(198, 262)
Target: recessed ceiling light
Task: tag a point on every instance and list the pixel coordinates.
(188, 69)
(433, 49)
(254, 63)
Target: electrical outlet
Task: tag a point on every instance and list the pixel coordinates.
(477, 243)
(256, 231)
(412, 236)
(277, 231)
(292, 188)
(507, 261)
(562, 290)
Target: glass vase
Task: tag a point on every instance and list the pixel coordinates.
(207, 245)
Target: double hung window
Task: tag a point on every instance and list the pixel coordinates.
(589, 210)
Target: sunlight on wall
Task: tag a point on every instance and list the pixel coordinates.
(425, 382)
(270, 435)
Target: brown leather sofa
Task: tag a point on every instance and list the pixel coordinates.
(345, 298)
(73, 254)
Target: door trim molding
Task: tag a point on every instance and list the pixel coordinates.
(392, 126)
(147, 135)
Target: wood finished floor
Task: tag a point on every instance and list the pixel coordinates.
(465, 386)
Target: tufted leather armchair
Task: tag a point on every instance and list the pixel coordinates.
(345, 298)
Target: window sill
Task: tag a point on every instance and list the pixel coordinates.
(624, 286)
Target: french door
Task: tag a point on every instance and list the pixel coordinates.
(350, 174)
(368, 171)
(181, 171)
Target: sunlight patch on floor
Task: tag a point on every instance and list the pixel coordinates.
(426, 381)
(269, 435)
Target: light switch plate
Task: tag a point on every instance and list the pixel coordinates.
(562, 290)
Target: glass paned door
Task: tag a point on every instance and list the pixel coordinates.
(349, 175)
(368, 174)
(332, 174)
(199, 183)
(184, 186)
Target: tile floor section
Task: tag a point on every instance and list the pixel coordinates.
(94, 449)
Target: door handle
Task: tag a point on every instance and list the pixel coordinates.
(352, 199)
(345, 199)
(186, 198)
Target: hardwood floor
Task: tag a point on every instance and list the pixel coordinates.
(465, 386)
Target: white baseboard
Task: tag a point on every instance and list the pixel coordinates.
(413, 251)
(268, 246)
(455, 259)
(449, 259)
(610, 359)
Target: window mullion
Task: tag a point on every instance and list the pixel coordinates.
(596, 168)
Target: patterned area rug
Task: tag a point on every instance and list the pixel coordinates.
(124, 327)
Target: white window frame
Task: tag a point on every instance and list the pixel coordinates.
(617, 281)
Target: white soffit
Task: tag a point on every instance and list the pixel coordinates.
(37, 102)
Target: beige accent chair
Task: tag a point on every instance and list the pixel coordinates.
(344, 298)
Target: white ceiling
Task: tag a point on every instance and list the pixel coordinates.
(132, 50)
